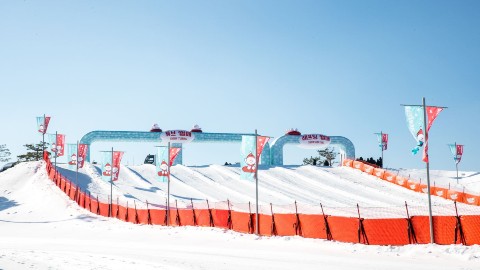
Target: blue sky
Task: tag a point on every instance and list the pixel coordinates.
(330, 67)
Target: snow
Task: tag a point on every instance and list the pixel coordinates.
(40, 228)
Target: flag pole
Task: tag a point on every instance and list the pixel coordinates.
(168, 185)
(430, 219)
(76, 174)
(43, 135)
(111, 187)
(256, 186)
(381, 142)
(456, 160)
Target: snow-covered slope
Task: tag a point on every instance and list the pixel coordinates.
(338, 189)
(40, 228)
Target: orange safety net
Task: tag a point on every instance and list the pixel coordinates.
(391, 231)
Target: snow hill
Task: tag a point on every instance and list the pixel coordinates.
(338, 189)
(41, 228)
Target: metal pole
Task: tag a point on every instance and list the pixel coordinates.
(111, 187)
(43, 135)
(76, 174)
(55, 152)
(168, 185)
(381, 142)
(456, 161)
(425, 131)
(256, 186)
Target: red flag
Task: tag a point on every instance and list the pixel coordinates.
(60, 144)
(82, 154)
(384, 141)
(173, 154)
(117, 158)
(432, 113)
(459, 153)
(261, 142)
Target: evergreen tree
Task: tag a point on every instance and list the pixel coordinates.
(34, 152)
(311, 161)
(328, 154)
(4, 153)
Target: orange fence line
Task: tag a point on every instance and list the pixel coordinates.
(391, 231)
(404, 182)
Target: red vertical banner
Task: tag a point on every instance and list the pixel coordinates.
(82, 154)
(458, 156)
(384, 141)
(173, 154)
(60, 144)
(42, 124)
(432, 113)
(261, 142)
(117, 159)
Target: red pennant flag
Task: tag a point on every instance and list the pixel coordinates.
(459, 153)
(82, 154)
(60, 144)
(117, 159)
(432, 113)
(384, 141)
(261, 142)
(173, 154)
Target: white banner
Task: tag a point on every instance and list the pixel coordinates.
(314, 141)
(177, 136)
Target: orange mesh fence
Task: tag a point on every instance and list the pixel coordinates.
(285, 224)
(358, 165)
(471, 228)
(386, 231)
(344, 229)
(241, 222)
(368, 169)
(389, 230)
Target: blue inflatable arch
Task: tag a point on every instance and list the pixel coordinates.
(276, 149)
(146, 136)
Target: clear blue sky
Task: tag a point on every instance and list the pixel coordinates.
(331, 67)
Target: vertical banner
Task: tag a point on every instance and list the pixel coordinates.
(82, 154)
(117, 159)
(60, 145)
(249, 160)
(51, 140)
(173, 154)
(457, 152)
(106, 166)
(161, 163)
(382, 140)
(414, 116)
(415, 119)
(72, 156)
(42, 124)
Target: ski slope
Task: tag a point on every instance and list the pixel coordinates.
(41, 228)
(338, 189)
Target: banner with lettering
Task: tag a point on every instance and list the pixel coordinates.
(42, 124)
(313, 141)
(457, 152)
(117, 159)
(177, 136)
(72, 156)
(82, 154)
(107, 166)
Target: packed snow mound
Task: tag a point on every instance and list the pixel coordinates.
(338, 189)
(41, 228)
